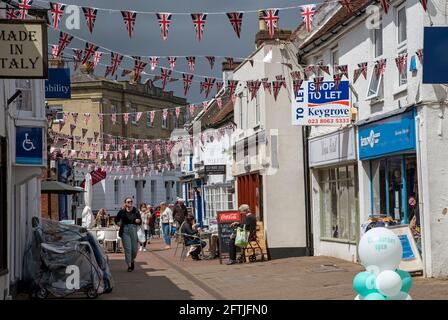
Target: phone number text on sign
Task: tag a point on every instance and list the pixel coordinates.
(326, 107)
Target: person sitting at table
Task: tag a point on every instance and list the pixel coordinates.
(190, 231)
(102, 219)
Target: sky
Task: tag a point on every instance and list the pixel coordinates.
(219, 37)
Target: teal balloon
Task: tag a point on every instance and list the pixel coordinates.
(374, 296)
(364, 283)
(406, 280)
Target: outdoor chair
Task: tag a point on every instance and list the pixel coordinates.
(178, 238)
(110, 236)
(250, 251)
(186, 247)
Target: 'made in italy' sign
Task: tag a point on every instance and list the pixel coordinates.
(23, 49)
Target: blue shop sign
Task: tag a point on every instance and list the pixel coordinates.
(388, 136)
(29, 146)
(58, 84)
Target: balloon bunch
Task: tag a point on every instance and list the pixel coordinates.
(380, 252)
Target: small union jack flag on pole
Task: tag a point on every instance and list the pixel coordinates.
(90, 15)
(188, 79)
(57, 10)
(172, 62)
(211, 60)
(191, 62)
(199, 24)
(236, 19)
(270, 16)
(129, 20)
(153, 61)
(164, 23)
(24, 6)
(307, 13)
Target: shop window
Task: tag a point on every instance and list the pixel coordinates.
(24, 101)
(376, 87)
(3, 207)
(338, 203)
(401, 25)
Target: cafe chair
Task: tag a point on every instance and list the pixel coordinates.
(110, 236)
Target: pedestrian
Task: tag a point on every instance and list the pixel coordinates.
(146, 217)
(129, 219)
(166, 223)
(180, 212)
(190, 230)
(102, 219)
(152, 221)
(250, 221)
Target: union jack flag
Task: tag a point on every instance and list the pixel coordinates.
(24, 6)
(199, 23)
(401, 63)
(139, 66)
(419, 54)
(346, 4)
(164, 116)
(270, 16)
(126, 118)
(229, 62)
(191, 109)
(236, 19)
(201, 86)
(385, 5)
(343, 70)
(188, 79)
(153, 61)
(90, 15)
(307, 13)
(266, 85)
(164, 23)
(362, 69)
(296, 75)
(166, 73)
(177, 112)
(172, 62)
(12, 13)
(317, 83)
(276, 85)
(116, 60)
(89, 51)
(253, 87)
(211, 60)
(380, 67)
(108, 71)
(282, 79)
(191, 62)
(297, 84)
(57, 10)
(208, 85)
(219, 85)
(64, 41)
(232, 84)
(324, 68)
(337, 79)
(129, 20)
(97, 58)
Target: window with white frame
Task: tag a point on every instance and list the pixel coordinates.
(149, 124)
(401, 43)
(218, 198)
(375, 90)
(24, 101)
(378, 41)
(134, 115)
(241, 98)
(59, 110)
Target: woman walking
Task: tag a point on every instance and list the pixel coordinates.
(146, 216)
(129, 219)
(166, 222)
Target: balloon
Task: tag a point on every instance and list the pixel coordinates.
(380, 247)
(374, 296)
(365, 283)
(401, 296)
(359, 297)
(406, 280)
(388, 283)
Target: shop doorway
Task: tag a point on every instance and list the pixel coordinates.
(250, 191)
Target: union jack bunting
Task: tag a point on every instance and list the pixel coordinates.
(129, 20)
(191, 63)
(77, 58)
(307, 13)
(165, 114)
(89, 51)
(89, 141)
(282, 79)
(153, 61)
(90, 15)
(57, 10)
(317, 83)
(12, 13)
(152, 115)
(172, 62)
(337, 79)
(116, 60)
(191, 109)
(87, 117)
(84, 132)
(114, 118)
(253, 88)
(65, 116)
(74, 116)
(24, 6)
(236, 20)
(205, 105)
(232, 84)
(219, 102)
(343, 70)
(166, 73)
(164, 23)
(424, 4)
(346, 4)
(72, 129)
(380, 67)
(419, 54)
(296, 85)
(276, 85)
(310, 70)
(177, 112)
(324, 68)
(64, 41)
(385, 5)
(55, 51)
(188, 80)
(211, 60)
(199, 23)
(270, 16)
(139, 66)
(267, 86)
(126, 118)
(219, 85)
(362, 69)
(138, 115)
(101, 119)
(296, 75)
(208, 85)
(401, 61)
(97, 58)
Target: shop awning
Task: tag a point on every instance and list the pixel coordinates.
(56, 187)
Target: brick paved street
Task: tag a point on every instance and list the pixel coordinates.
(161, 275)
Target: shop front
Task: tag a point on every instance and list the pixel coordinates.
(387, 149)
(332, 159)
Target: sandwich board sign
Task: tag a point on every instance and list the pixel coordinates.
(410, 260)
(328, 106)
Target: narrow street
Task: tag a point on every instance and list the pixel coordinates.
(159, 275)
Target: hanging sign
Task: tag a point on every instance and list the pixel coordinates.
(29, 146)
(58, 84)
(23, 49)
(327, 106)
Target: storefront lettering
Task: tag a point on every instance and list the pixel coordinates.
(319, 112)
(330, 148)
(22, 63)
(371, 140)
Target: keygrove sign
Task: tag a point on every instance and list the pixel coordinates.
(58, 84)
(327, 107)
(23, 49)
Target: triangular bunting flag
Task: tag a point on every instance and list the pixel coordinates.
(236, 20)
(191, 62)
(129, 20)
(90, 15)
(57, 10)
(188, 80)
(153, 61)
(270, 16)
(211, 60)
(172, 62)
(199, 24)
(164, 23)
(307, 13)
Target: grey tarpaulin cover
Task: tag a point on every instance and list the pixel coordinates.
(56, 246)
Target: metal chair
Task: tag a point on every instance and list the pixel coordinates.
(178, 237)
(186, 246)
(110, 236)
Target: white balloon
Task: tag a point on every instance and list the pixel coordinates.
(358, 297)
(388, 283)
(400, 296)
(380, 248)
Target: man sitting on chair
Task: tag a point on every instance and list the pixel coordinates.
(250, 224)
(190, 232)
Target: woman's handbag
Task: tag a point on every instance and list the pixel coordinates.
(242, 237)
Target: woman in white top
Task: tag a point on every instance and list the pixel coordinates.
(166, 223)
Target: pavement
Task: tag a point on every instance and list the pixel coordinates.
(161, 275)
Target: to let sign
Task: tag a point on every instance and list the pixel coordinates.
(23, 49)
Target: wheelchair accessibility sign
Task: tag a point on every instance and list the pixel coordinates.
(29, 146)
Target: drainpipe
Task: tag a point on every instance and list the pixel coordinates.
(307, 183)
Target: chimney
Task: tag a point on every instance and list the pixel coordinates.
(87, 68)
(227, 70)
(57, 63)
(261, 21)
(262, 35)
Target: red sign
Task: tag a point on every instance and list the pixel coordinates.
(97, 176)
(228, 217)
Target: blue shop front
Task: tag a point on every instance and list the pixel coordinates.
(388, 145)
